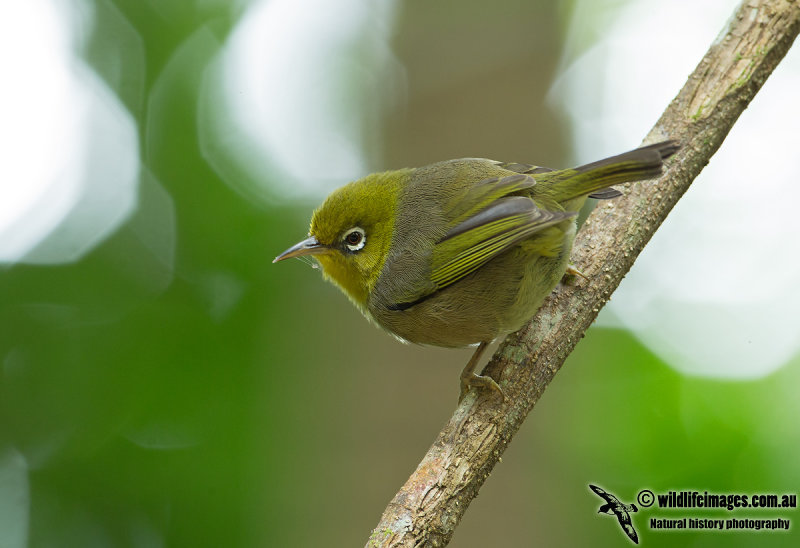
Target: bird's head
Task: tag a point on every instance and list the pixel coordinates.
(351, 233)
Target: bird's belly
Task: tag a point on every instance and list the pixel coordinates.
(441, 322)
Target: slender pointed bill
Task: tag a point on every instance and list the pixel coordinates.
(309, 246)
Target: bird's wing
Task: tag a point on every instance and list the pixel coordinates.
(606, 495)
(528, 169)
(625, 521)
(483, 233)
(481, 194)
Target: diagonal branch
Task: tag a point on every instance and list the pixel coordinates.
(428, 508)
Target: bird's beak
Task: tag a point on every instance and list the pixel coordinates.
(309, 246)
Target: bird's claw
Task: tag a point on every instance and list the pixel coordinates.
(470, 379)
(572, 270)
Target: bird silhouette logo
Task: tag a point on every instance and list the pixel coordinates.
(622, 511)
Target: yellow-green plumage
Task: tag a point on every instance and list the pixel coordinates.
(369, 202)
(460, 252)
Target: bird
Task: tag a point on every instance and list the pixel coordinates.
(622, 511)
(461, 252)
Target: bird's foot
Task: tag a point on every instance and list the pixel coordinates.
(470, 379)
(572, 270)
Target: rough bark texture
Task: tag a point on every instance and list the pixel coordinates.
(430, 505)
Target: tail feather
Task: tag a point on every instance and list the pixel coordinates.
(641, 163)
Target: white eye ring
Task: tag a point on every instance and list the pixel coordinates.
(355, 239)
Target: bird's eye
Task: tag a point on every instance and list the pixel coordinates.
(355, 238)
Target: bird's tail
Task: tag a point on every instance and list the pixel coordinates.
(635, 165)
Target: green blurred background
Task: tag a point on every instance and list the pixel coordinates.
(217, 399)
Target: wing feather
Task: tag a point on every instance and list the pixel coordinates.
(484, 193)
(479, 238)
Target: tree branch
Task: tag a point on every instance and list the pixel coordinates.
(428, 508)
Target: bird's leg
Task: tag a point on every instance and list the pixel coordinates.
(469, 378)
(572, 270)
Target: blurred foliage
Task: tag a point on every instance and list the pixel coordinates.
(225, 401)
